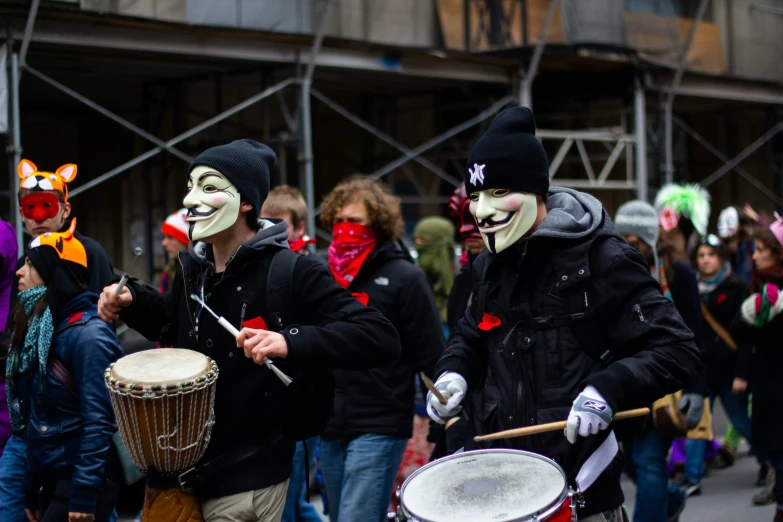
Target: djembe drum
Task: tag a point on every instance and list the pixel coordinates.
(163, 401)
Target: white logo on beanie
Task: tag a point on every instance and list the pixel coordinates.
(477, 174)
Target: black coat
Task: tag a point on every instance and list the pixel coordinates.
(723, 304)
(762, 367)
(380, 400)
(528, 371)
(331, 330)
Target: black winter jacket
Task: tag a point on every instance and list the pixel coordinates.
(380, 400)
(763, 364)
(723, 303)
(530, 368)
(329, 329)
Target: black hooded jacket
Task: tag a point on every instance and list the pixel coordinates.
(564, 297)
(380, 400)
(331, 330)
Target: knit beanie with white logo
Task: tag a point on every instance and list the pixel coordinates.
(509, 156)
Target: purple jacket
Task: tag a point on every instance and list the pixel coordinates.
(8, 257)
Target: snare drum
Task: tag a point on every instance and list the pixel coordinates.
(494, 485)
(163, 401)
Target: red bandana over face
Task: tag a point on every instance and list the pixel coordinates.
(351, 245)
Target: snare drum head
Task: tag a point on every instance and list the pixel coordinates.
(161, 366)
(485, 485)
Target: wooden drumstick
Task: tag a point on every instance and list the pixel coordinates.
(431, 387)
(124, 279)
(553, 426)
(222, 321)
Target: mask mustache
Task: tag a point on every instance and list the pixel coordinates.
(489, 222)
(195, 213)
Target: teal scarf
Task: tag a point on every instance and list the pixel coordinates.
(34, 350)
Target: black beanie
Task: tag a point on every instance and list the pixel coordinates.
(509, 156)
(246, 164)
(64, 279)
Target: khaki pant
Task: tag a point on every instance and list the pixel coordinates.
(261, 505)
(615, 515)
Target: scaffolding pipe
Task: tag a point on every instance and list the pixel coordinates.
(668, 144)
(669, 103)
(106, 112)
(437, 140)
(640, 128)
(182, 137)
(306, 158)
(750, 149)
(28, 32)
(342, 111)
(718, 154)
(13, 187)
(526, 87)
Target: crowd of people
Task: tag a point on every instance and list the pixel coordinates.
(529, 304)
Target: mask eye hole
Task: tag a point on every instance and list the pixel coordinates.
(499, 193)
(474, 196)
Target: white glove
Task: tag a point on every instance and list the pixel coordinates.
(453, 387)
(589, 415)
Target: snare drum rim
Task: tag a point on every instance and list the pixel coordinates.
(541, 515)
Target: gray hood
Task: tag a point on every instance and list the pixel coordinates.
(570, 215)
(272, 232)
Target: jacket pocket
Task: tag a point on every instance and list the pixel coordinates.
(553, 444)
(46, 446)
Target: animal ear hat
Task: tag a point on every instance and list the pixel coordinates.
(66, 245)
(39, 181)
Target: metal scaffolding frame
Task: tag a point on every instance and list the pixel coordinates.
(668, 127)
(618, 140)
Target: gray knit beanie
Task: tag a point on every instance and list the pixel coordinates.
(639, 218)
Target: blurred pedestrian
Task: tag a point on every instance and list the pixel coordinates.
(722, 292)
(434, 238)
(8, 255)
(735, 235)
(760, 325)
(287, 203)
(363, 445)
(175, 240)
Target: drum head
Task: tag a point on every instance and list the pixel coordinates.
(162, 366)
(486, 485)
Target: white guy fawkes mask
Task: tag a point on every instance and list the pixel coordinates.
(503, 216)
(728, 222)
(213, 203)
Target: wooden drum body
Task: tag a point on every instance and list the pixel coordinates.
(164, 404)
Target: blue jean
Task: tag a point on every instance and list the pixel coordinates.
(297, 508)
(12, 467)
(736, 407)
(646, 465)
(359, 476)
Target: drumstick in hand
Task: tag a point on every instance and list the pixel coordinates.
(124, 279)
(553, 426)
(222, 321)
(431, 387)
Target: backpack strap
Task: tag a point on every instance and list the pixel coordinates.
(280, 288)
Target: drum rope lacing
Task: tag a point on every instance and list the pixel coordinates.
(191, 438)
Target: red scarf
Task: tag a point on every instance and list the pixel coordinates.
(298, 244)
(351, 245)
